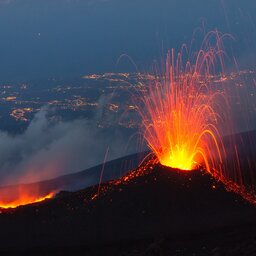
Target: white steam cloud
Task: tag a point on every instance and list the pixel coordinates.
(47, 149)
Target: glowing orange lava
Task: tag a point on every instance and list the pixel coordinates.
(24, 199)
(180, 111)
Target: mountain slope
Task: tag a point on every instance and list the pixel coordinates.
(149, 202)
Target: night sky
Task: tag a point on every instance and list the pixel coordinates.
(41, 39)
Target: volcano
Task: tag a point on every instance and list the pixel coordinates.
(152, 209)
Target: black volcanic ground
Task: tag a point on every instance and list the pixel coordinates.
(151, 211)
(72, 182)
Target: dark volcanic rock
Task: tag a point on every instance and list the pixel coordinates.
(151, 204)
(72, 182)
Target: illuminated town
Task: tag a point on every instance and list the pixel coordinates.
(81, 98)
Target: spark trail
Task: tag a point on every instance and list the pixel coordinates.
(180, 110)
(187, 118)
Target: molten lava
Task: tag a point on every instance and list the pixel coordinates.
(180, 112)
(14, 196)
(188, 117)
(25, 200)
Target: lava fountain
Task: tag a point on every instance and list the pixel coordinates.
(187, 114)
(181, 110)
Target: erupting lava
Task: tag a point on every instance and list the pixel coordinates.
(188, 119)
(180, 110)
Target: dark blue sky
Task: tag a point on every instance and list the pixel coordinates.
(65, 38)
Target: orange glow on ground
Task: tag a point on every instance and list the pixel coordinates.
(25, 200)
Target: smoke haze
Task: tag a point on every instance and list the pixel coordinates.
(48, 149)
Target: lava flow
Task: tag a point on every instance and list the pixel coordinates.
(180, 111)
(14, 196)
(25, 200)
